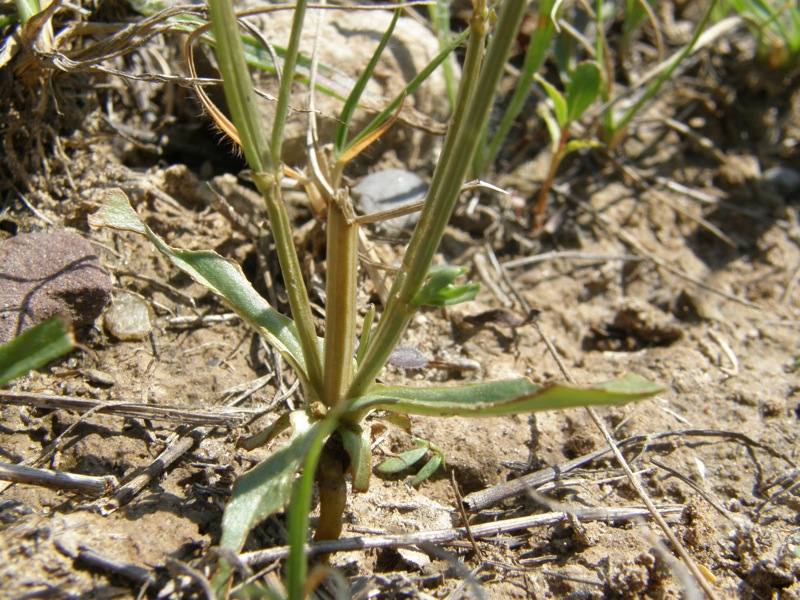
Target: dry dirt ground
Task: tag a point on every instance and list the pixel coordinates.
(682, 268)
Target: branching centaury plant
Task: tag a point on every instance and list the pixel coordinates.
(329, 439)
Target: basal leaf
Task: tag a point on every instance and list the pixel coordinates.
(34, 348)
(222, 276)
(402, 461)
(264, 490)
(501, 397)
(582, 89)
(429, 469)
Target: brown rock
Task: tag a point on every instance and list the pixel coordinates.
(42, 274)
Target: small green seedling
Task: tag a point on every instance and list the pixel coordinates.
(581, 91)
(406, 460)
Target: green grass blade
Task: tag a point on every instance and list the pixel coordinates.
(501, 397)
(439, 13)
(340, 137)
(221, 276)
(34, 348)
(409, 89)
(662, 78)
(287, 77)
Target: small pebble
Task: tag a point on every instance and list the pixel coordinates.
(389, 189)
(786, 181)
(128, 318)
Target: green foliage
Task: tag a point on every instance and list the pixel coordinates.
(35, 348)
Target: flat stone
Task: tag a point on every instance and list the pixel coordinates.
(43, 274)
(391, 189)
(128, 318)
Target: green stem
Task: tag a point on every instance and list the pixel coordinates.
(475, 98)
(539, 46)
(340, 304)
(238, 87)
(297, 564)
(287, 78)
(292, 276)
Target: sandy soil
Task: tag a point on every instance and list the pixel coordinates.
(693, 287)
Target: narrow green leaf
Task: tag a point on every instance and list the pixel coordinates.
(501, 397)
(401, 462)
(34, 348)
(358, 445)
(440, 291)
(582, 89)
(340, 138)
(559, 103)
(429, 469)
(265, 436)
(222, 276)
(264, 490)
(552, 126)
(408, 90)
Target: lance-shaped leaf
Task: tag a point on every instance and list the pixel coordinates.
(402, 461)
(220, 275)
(34, 348)
(559, 103)
(436, 461)
(500, 397)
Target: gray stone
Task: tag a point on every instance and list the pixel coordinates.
(390, 189)
(43, 274)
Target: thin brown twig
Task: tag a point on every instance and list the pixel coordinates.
(464, 517)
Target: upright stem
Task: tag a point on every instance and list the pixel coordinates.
(475, 98)
(292, 276)
(340, 305)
